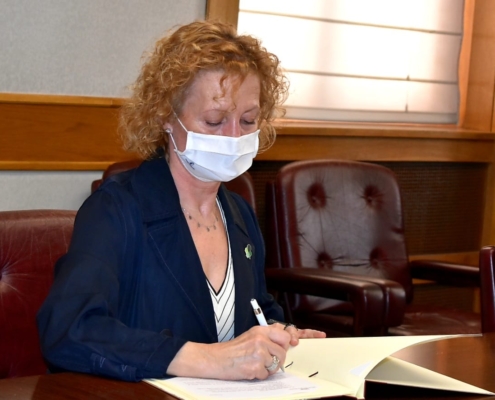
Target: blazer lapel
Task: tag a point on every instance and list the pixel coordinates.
(174, 246)
(243, 252)
(171, 239)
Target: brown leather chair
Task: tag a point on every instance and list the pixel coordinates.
(333, 217)
(115, 168)
(487, 288)
(243, 185)
(31, 241)
(366, 300)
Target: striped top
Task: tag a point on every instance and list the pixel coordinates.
(224, 300)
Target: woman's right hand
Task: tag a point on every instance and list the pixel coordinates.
(245, 357)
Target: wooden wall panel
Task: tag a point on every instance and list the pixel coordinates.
(481, 82)
(223, 10)
(299, 140)
(493, 117)
(68, 133)
(58, 133)
(464, 59)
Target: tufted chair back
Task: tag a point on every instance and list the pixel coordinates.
(345, 216)
(113, 169)
(31, 241)
(242, 185)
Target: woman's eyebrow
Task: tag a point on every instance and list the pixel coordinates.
(255, 108)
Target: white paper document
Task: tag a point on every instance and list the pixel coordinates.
(279, 384)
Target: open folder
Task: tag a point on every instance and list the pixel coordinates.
(324, 368)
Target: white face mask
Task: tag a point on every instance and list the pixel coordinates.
(214, 158)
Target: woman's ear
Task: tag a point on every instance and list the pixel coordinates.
(167, 127)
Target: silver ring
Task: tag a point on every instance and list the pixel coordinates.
(288, 324)
(273, 365)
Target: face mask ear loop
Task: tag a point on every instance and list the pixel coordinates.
(172, 137)
(180, 122)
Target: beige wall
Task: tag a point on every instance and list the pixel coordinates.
(90, 47)
(78, 48)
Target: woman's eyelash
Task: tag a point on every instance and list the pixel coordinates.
(218, 123)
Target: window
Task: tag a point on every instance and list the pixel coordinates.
(364, 60)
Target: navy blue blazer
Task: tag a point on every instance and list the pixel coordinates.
(131, 291)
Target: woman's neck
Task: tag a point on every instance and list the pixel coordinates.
(195, 196)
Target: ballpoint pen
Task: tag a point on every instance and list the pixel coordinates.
(259, 314)
(261, 318)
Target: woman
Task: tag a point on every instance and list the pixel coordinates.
(164, 260)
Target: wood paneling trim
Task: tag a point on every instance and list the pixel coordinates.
(493, 114)
(464, 58)
(58, 165)
(27, 98)
(420, 131)
(299, 140)
(378, 149)
(58, 132)
(481, 81)
(80, 133)
(223, 10)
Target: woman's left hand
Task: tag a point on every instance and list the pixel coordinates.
(297, 334)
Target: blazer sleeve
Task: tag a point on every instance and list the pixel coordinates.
(79, 325)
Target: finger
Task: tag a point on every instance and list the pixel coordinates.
(275, 353)
(278, 336)
(270, 342)
(311, 333)
(316, 334)
(280, 354)
(294, 334)
(274, 365)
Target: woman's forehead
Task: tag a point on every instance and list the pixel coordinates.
(217, 87)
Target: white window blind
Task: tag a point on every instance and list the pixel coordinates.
(364, 60)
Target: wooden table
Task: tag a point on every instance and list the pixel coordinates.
(470, 359)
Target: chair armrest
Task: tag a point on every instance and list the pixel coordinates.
(366, 297)
(394, 295)
(445, 273)
(487, 288)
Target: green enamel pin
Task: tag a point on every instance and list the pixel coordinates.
(248, 252)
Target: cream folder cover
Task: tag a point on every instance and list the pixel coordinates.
(324, 368)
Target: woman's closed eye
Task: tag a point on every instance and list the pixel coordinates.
(243, 122)
(213, 124)
(249, 122)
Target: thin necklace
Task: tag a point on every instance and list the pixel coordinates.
(199, 224)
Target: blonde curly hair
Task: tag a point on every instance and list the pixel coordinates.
(170, 69)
